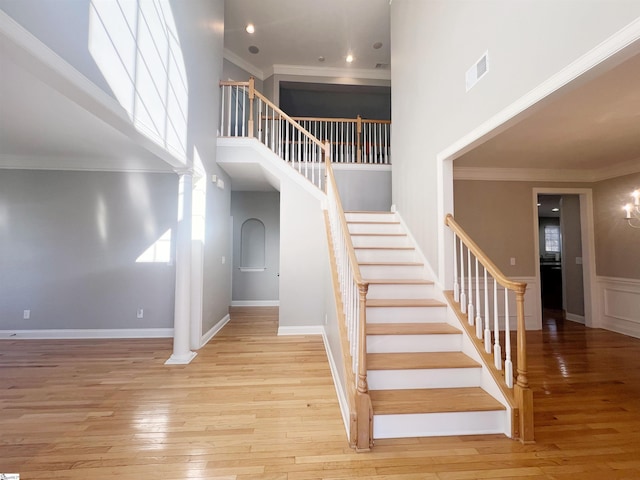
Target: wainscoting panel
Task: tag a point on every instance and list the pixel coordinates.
(620, 305)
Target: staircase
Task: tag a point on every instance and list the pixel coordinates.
(420, 381)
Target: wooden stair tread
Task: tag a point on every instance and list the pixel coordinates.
(411, 329)
(404, 302)
(433, 400)
(398, 281)
(419, 360)
(393, 264)
(384, 248)
(378, 234)
(373, 222)
(369, 212)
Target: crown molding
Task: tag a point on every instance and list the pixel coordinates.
(547, 174)
(307, 71)
(243, 64)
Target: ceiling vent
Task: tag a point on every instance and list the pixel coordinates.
(382, 66)
(477, 71)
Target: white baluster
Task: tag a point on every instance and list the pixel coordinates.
(470, 311)
(508, 365)
(478, 304)
(229, 109)
(244, 110)
(487, 321)
(463, 295)
(497, 351)
(456, 285)
(222, 118)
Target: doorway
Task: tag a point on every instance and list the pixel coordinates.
(565, 253)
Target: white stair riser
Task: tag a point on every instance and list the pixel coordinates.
(391, 271)
(424, 378)
(406, 314)
(414, 343)
(386, 255)
(400, 291)
(380, 241)
(375, 228)
(439, 424)
(370, 217)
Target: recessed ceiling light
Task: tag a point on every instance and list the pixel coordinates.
(539, 204)
(253, 49)
(555, 209)
(321, 58)
(250, 28)
(377, 45)
(349, 58)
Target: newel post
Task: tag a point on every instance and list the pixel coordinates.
(364, 409)
(252, 95)
(359, 138)
(523, 394)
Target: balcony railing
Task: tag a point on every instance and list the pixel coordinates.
(248, 113)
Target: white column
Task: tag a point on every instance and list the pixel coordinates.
(182, 318)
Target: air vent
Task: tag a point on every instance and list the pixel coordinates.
(382, 66)
(477, 71)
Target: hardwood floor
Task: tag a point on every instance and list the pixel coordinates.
(256, 406)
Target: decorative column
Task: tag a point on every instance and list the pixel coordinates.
(182, 354)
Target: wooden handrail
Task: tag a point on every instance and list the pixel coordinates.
(484, 259)
(230, 83)
(343, 222)
(340, 120)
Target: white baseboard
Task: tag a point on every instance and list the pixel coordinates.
(342, 396)
(87, 333)
(213, 330)
(255, 303)
(572, 317)
(301, 330)
(619, 300)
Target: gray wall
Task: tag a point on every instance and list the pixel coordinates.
(65, 31)
(230, 71)
(263, 206)
(364, 188)
(70, 241)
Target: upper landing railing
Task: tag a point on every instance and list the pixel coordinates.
(248, 113)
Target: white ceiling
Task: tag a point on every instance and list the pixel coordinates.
(297, 32)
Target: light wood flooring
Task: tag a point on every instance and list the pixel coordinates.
(256, 406)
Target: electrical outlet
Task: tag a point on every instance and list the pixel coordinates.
(26, 315)
(140, 313)
(513, 261)
(224, 259)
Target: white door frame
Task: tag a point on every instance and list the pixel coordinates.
(591, 305)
